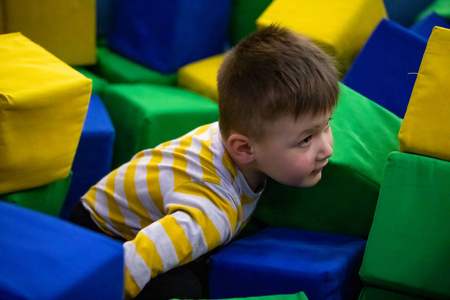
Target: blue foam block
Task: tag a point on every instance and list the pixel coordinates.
(386, 68)
(166, 35)
(94, 153)
(284, 261)
(42, 257)
(425, 26)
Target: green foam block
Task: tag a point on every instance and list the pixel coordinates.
(47, 199)
(243, 17)
(98, 83)
(118, 69)
(344, 201)
(408, 249)
(146, 115)
(371, 293)
(298, 296)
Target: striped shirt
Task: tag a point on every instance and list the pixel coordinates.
(172, 204)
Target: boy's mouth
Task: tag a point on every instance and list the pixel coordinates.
(318, 170)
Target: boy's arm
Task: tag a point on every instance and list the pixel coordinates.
(197, 221)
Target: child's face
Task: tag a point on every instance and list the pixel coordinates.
(294, 152)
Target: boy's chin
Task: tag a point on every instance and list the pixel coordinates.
(311, 181)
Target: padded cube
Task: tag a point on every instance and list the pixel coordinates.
(64, 28)
(341, 28)
(296, 296)
(118, 69)
(344, 200)
(441, 7)
(146, 115)
(43, 103)
(407, 249)
(372, 293)
(282, 261)
(425, 129)
(243, 18)
(166, 35)
(47, 199)
(201, 77)
(98, 83)
(385, 69)
(43, 257)
(94, 154)
(405, 12)
(425, 26)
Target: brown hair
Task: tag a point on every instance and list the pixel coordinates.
(273, 73)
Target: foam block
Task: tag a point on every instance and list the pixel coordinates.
(201, 77)
(372, 293)
(64, 28)
(425, 129)
(243, 17)
(282, 261)
(405, 12)
(341, 28)
(425, 26)
(146, 115)
(43, 103)
(94, 154)
(47, 199)
(385, 69)
(43, 257)
(344, 200)
(407, 249)
(440, 7)
(98, 83)
(166, 35)
(118, 69)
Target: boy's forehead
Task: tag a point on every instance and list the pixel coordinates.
(304, 122)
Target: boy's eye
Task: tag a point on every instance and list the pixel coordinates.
(305, 142)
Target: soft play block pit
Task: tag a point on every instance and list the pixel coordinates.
(344, 200)
(43, 103)
(282, 261)
(146, 115)
(340, 27)
(425, 129)
(407, 248)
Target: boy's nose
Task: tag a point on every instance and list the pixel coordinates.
(326, 149)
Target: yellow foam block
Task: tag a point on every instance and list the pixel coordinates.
(425, 129)
(66, 28)
(341, 28)
(201, 76)
(43, 103)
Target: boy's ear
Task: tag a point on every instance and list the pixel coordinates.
(240, 148)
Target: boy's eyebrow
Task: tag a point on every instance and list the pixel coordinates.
(313, 128)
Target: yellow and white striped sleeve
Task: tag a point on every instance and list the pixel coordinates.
(197, 221)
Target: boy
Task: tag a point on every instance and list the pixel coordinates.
(174, 203)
